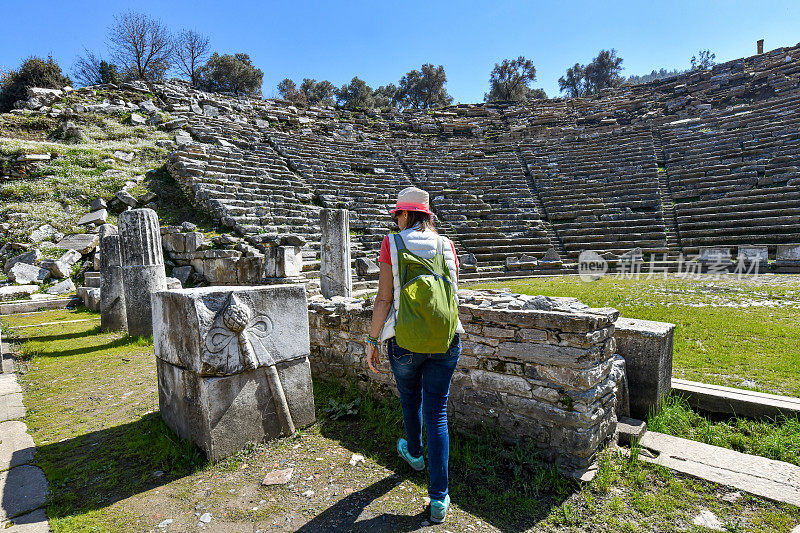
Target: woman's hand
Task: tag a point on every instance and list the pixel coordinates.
(373, 358)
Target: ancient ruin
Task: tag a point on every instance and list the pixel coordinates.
(113, 313)
(142, 267)
(233, 364)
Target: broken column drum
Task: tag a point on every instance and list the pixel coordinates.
(112, 292)
(142, 267)
(335, 277)
(233, 364)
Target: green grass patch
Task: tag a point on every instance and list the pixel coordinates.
(778, 439)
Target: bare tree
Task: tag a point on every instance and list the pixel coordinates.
(191, 51)
(141, 45)
(92, 70)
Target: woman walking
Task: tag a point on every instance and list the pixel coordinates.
(416, 312)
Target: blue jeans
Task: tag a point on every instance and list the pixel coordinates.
(423, 380)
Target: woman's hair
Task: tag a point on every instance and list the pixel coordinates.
(417, 217)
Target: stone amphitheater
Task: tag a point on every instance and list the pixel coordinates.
(704, 159)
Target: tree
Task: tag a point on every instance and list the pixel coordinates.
(386, 96)
(191, 51)
(659, 74)
(288, 91)
(510, 80)
(34, 72)
(92, 70)
(318, 93)
(424, 88)
(355, 95)
(141, 45)
(704, 60)
(574, 82)
(230, 73)
(602, 73)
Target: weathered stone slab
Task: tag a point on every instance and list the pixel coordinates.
(24, 273)
(731, 401)
(23, 488)
(647, 348)
(31, 258)
(62, 287)
(335, 276)
(95, 217)
(80, 242)
(787, 258)
(14, 292)
(715, 255)
(764, 477)
(630, 430)
(16, 445)
(196, 328)
(750, 256)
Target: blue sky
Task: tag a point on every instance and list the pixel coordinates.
(380, 41)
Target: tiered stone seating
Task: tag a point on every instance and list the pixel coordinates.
(703, 158)
(734, 175)
(252, 190)
(362, 176)
(600, 191)
(481, 191)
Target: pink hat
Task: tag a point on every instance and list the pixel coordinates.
(413, 199)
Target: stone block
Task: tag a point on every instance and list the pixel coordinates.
(715, 255)
(222, 414)
(182, 273)
(95, 217)
(750, 256)
(80, 242)
(647, 348)
(233, 364)
(191, 327)
(289, 261)
(23, 273)
(366, 267)
(62, 287)
(30, 258)
(788, 255)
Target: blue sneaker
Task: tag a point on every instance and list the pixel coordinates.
(417, 463)
(439, 509)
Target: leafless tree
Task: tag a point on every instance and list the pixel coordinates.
(141, 45)
(191, 51)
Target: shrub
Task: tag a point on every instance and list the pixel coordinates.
(34, 72)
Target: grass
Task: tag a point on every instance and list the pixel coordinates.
(59, 191)
(778, 439)
(738, 333)
(114, 466)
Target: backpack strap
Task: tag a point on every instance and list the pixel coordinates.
(399, 242)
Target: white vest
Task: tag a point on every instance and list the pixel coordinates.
(423, 244)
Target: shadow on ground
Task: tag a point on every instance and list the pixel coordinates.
(506, 486)
(97, 469)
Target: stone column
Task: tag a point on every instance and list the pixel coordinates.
(335, 277)
(142, 267)
(112, 292)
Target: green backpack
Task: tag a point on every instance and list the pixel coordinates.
(428, 315)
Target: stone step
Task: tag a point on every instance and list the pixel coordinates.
(774, 480)
(738, 402)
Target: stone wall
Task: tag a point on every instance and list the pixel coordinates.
(538, 368)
